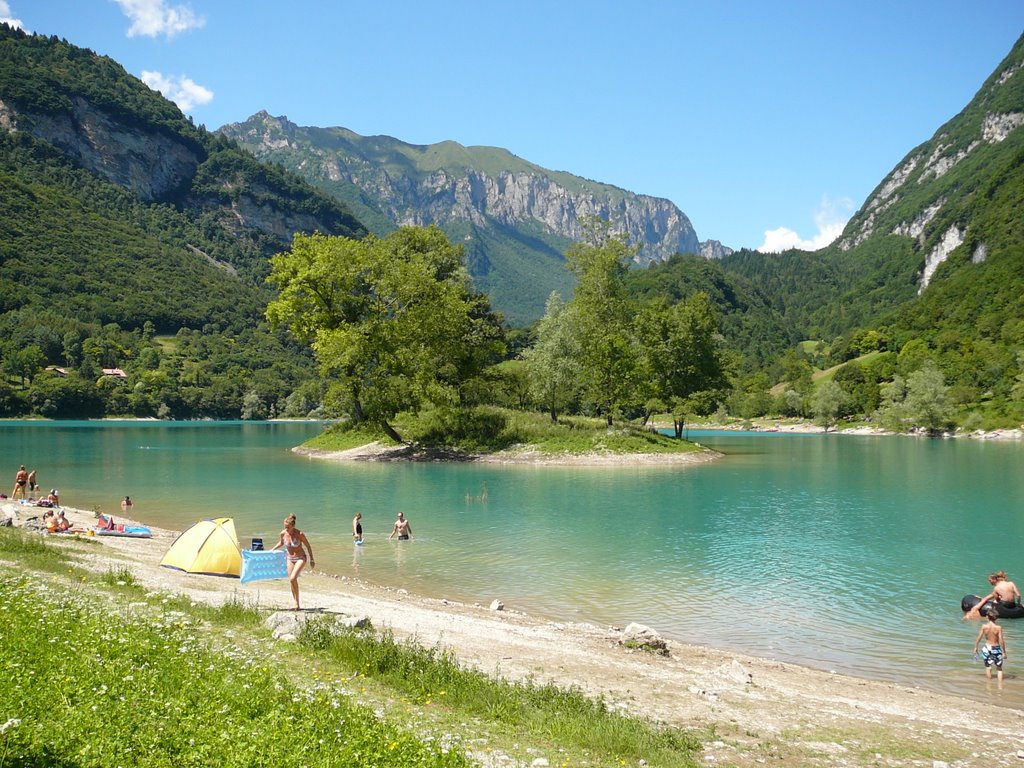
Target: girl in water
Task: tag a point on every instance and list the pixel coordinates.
(298, 548)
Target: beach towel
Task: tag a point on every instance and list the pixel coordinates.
(263, 565)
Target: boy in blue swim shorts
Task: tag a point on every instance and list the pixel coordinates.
(994, 652)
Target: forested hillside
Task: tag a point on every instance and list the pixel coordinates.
(748, 319)
(131, 239)
(931, 268)
(135, 247)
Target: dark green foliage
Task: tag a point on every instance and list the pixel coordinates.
(747, 318)
(74, 243)
(42, 75)
(89, 273)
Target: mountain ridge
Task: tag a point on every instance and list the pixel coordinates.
(515, 218)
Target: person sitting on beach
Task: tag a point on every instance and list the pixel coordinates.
(54, 497)
(401, 528)
(63, 524)
(50, 521)
(1004, 594)
(994, 652)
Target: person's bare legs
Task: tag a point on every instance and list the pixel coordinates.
(294, 569)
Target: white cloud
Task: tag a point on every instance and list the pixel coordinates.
(181, 90)
(151, 18)
(5, 16)
(830, 219)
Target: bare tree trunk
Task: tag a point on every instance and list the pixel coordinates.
(390, 432)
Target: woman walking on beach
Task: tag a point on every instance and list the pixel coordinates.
(298, 548)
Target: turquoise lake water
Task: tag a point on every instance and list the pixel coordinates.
(837, 552)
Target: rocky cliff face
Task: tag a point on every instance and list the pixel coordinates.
(159, 166)
(513, 198)
(152, 165)
(472, 190)
(713, 249)
(940, 192)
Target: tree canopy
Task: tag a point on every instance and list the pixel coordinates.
(392, 321)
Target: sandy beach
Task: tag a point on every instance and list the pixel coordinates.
(758, 711)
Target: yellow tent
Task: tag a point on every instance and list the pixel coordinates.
(209, 548)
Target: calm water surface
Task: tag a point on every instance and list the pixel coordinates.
(837, 552)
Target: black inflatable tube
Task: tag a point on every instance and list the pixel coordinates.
(1003, 611)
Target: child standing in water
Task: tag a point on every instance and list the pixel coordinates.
(994, 652)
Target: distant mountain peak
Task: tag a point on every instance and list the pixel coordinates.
(515, 218)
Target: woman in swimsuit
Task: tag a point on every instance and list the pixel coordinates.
(298, 548)
(357, 528)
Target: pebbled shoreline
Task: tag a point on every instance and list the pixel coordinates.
(752, 711)
(377, 452)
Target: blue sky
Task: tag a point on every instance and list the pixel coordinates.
(768, 124)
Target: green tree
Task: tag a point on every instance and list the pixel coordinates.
(927, 403)
(827, 402)
(553, 362)
(1017, 392)
(25, 363)
(797, 372)
(680, 357)
(602, 314)
(913, 356)
(392, 321)
(752, 398)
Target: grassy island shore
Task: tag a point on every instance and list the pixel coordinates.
(442, 682)
(502, 436)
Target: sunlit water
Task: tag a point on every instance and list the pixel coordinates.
(837, 552)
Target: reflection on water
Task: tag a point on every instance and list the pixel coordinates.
(844, 553)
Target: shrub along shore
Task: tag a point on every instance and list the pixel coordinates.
(108, 659)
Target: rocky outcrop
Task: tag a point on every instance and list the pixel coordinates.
(952, 239)
(520, 197)
(958, 142)
(712, 249)
(152, 165)
(161, 166)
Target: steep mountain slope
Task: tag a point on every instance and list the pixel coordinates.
(118, 209)
(939, 242)
(957, 200)
(514, 218)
